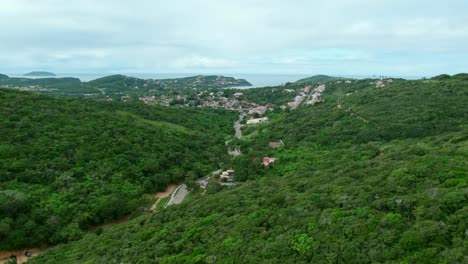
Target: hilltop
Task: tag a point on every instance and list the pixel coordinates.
(39, 74)
(373, 172)
(317, 79)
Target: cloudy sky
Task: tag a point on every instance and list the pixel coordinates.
(398, 37)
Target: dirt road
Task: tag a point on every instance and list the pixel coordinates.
(22, 258)
(161, 195)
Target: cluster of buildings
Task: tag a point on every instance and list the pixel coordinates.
(381, 83)
(216, 100)
(316, 95)
(300, 97)
(311, 96)
(151, 99)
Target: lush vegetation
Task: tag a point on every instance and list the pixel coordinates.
(69, 164)
(369, 175)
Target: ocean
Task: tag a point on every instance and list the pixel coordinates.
(257, 80)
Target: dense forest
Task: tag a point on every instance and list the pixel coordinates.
(69, 164)
(368, 175)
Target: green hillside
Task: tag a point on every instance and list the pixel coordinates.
(317, 79)
(69, 164)
(122, 83)
(369, 175)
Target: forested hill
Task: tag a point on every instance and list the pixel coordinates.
(317, 79)
(369, 175)
(118, 85)
(69, 164)
(122, 83)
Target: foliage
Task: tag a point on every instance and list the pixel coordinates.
(381, 179)
(69, 164)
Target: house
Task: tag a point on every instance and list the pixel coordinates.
(380, 84)
(227, 175)
(257, 120)
(267, 161)
(238, 94)
(258, 110)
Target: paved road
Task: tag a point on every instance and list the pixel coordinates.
(237, 127)
(238, 130)
(178, 195)
(203, 182)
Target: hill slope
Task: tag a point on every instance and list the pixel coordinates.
(383, 178)
(317, 79)
(69, 164)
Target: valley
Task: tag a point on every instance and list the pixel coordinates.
(370, 169)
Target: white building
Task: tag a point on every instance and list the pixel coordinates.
(257, 120)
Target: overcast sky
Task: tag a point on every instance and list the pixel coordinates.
(398, 37)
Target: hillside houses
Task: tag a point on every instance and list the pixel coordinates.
(267, 161)
(311, 97)
(227, 176)
(379, 84)
(316, 95)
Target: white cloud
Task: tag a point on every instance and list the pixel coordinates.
(224, 36)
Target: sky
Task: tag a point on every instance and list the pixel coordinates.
(346, 37)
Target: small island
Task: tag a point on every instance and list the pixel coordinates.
(40, 74)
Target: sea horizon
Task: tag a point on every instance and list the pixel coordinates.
(257, 80)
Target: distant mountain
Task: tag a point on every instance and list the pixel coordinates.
(318, 79)
(200, 81)
(3, 76)
(209, 81)
(39, 74)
